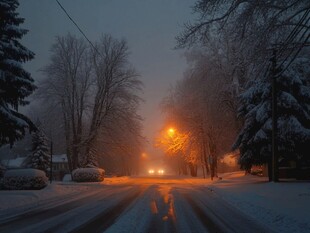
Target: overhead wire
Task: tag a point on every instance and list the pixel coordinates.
(289, 40)
(295, 56)
(300, 42)
(296, 30)
(77, 26)
(293, 33)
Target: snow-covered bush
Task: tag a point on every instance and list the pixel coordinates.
(18, 179)
(88, 175)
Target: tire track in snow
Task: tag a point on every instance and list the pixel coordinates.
(77, 217)
(39, 214)
(207, 221)
(219, 216)
(105, 219)
(14, 213)
(187, 220)
(138, 216)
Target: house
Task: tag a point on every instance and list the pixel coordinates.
(288, 169)
(60, 166)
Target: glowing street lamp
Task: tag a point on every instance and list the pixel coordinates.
(171, 132)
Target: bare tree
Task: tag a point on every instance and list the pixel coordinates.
(68, 80)
(196, 108)
(120, 139)
(97, 91)
(115, 79)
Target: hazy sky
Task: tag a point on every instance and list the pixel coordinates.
(149, 26)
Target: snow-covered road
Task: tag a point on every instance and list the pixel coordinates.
(142, 204)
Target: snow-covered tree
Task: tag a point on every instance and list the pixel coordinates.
(40, 156)
(293, 104)
(15, 83)
(238, 35)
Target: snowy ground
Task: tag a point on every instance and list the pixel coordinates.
(284, 206)
(160, 204)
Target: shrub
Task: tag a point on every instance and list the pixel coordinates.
(24, 179)
(88, 175)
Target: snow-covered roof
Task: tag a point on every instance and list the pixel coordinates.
(24, 172)
(16, 163)
(13, 163)
(60, 158)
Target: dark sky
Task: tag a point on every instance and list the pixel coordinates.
(150, 27)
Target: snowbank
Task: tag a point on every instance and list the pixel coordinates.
(67, 178)
(88, 175)
(282, 206)
(17, 179)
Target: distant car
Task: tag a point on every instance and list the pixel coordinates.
(158, 172)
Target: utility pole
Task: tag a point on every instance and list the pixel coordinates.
(274, 73)
(51, 170)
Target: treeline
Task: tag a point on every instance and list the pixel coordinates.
(223, 102)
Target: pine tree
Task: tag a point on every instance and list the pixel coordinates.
(15, 83)
(293, 104)
(40, 157)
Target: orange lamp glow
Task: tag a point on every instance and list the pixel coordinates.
(171, 132)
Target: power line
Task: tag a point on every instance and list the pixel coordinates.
(289, 40)
(302, 44)
(77, 26)
(296, 30)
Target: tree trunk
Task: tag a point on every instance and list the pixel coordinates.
(203, 171)
(205, 157)
(193, 169)
(270, 170)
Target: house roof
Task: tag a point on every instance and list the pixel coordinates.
(13, 163)
(17, 162)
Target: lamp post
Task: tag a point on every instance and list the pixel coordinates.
(51, 170)
(275, 176)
